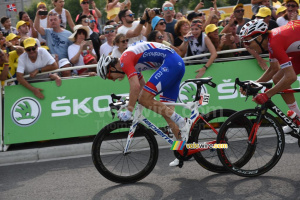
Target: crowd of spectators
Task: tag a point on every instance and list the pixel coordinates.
(44, 44)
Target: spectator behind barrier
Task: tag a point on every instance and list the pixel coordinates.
(64, 63)
(63, 13)
(265, 14)
(25, 17)
(4, 66)
(169, 13)
(178, 16)
(121, 44)
(94, 36)
(2, 42)
(81, 52)
(7, 28)
(110, 34)
(157, 36)
(159, 24)
(238, 12)
(113, 7)
(56, 36)
(292, 13)
(43, 20)
(193, 15)
(280, 11)
(95, 12)
(35, 60)
(195, 43)
(182, 27)
(23, 30)
(134, 30)
(256, 4)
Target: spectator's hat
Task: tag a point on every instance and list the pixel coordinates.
(296, 1)
(263, 12)
(80, 1)
(155, 21)
(192, 15)
(20, 23)
(210, 28)
(88, 58)
(238, 5)
(41, 3)
(29, 42)
(76, 28)
(45, 47)
(62, 62)
(108, 27)
(280, 9)
(10, 37)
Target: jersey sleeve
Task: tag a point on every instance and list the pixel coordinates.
(128, 64)
(277, 53)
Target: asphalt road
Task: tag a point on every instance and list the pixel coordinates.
(78, 179)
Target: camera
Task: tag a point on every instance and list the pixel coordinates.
(157, 11)
(43, 12)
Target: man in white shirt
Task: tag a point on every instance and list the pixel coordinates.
(134, 30)
(110, 34)
(35, 60)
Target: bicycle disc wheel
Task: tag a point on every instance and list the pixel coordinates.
(202, 133)
(243, 156)
(113, 164)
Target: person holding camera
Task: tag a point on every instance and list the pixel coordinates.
(135, 30)
(42, 7)
(81, 52)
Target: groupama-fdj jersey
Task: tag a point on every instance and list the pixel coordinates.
(169, 66)
(284, 45)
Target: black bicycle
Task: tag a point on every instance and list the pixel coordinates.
(254, 136)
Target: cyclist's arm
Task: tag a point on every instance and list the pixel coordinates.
(135, 88)
(212, 50)
(270, 72)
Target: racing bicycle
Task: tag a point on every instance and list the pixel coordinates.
(126, 152)
(254, 135)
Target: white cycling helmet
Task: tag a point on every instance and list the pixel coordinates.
(253, 27)
(103, 64)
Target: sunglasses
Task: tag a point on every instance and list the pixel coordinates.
(238, 11)
(162, 23)
(30, 49)
(291, 5)
(123, 41)
(200, 14)
(111, 31)
(85, 2)
(130, 15)
(160, 37)
(170, 8)
(247, 42)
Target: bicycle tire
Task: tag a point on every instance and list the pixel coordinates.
(257, 158)
(108, 157)
(201, 133)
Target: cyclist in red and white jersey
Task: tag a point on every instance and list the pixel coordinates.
(283, 44)
(170, 68)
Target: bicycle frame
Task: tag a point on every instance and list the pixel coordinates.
(195, 115)
(270, 105)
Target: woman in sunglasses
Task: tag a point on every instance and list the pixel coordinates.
(121, 42)
(159, 24)
(291, 13)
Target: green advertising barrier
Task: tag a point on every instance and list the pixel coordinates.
(79, 107)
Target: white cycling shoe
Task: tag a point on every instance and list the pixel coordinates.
(174, 163)
(185, 131)
(287, 129)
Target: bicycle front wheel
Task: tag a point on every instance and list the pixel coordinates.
(246, 155)
(202, 133)
(111, 161)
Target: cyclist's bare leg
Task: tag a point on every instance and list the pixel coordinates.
(147, 100)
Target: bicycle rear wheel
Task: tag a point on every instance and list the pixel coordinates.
(244, 156)
(202, 133)
(113, 164)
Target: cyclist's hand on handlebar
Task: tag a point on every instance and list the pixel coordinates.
(125, 115)
(260, 98)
